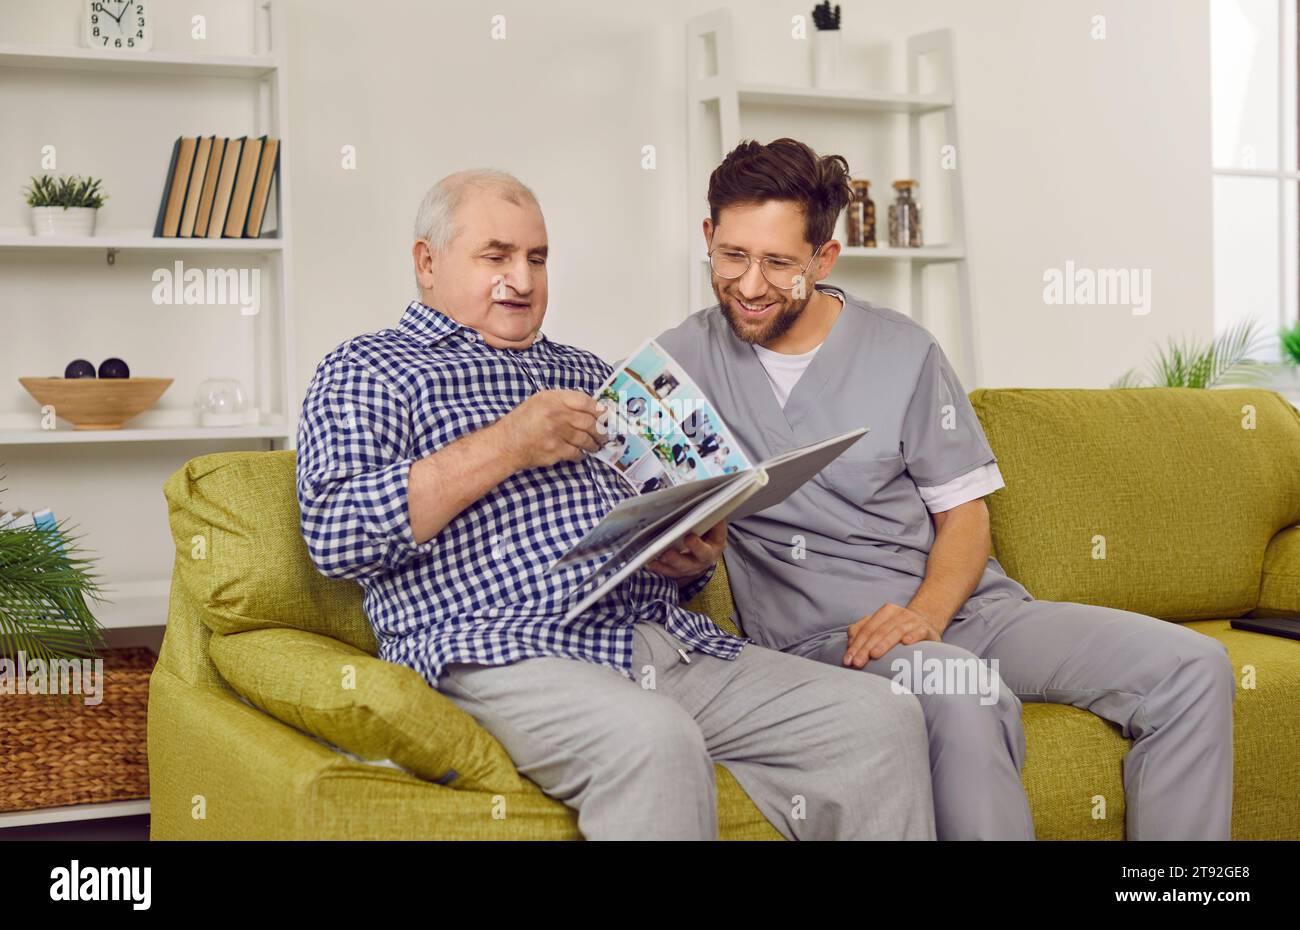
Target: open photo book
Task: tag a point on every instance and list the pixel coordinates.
(668, 443)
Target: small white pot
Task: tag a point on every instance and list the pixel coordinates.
(56, 221)
(826, 57)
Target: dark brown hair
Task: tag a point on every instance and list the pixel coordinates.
(784, 170)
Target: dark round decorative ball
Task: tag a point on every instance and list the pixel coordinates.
(114, 368)
(79, 368)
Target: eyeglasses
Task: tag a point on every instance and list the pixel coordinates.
(778, 272)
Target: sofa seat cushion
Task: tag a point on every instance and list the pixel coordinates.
(1266, 731)
(381, 804)
(374, 709)
(1180, 490)
(1074, 759)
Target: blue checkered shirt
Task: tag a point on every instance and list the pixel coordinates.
(479, 590)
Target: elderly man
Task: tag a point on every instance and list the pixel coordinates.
(442, 465)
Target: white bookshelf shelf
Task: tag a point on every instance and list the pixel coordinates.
(928, 253)
(140, 242)
(85, 59)
(29, 437)
(74, 812)
(840, 99)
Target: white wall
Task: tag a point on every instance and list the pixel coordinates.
(1072, 148)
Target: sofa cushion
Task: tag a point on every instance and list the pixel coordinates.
(240, 552)
(1266, 731)
(369, 707)
(1184, 488)
(241, 556)
(1073, 761)
(715, 601)
(1074, 758)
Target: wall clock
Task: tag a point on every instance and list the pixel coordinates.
(117, 25)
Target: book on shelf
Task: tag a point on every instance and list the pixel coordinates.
(209, 187)
(243, 192)
(167, 187)
(42, 519)
(266, 172)
(198, 173)
(219, 188)
(225, 185)
(17, 519)
(178, 177)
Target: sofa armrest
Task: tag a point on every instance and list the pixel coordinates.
(1279, 588)
(220, 769)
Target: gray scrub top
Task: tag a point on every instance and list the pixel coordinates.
(857, 536)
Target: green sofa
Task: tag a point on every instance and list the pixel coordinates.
(1182, 504)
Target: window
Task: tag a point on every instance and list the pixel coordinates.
(1256, 196)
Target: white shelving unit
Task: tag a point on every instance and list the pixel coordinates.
(263, 342)
(273, 386)
(716, 100)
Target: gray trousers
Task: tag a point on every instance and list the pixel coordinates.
(1169, 688)
(824, 753)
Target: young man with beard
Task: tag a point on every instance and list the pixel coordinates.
(885, 555)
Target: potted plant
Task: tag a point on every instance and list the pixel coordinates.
(43, 584)
(1224, 360)
(64, 206)
(1288, 378)
(826, 44)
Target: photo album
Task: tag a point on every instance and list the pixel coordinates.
(667, 441)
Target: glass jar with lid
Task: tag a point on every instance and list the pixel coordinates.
(905, 217)
(861, 219)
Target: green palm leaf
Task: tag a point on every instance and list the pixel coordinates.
(1186, 363)
(43, 611)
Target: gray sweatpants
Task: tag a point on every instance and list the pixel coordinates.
(824, 753)
(1169, 688)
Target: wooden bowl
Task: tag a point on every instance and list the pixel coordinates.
(96, 403)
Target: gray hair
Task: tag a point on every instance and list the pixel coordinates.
(434, 219)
